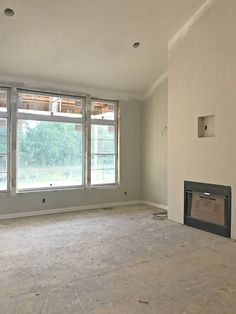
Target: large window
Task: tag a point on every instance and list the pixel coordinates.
(50, 145)
(4, 139)
(54, 141)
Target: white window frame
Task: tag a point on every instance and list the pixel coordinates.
(52, 118)
(114, 123)
(6, 115)
(12, 115)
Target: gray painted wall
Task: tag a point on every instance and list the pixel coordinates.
(202, 76)
(154, 146)
(130, 130)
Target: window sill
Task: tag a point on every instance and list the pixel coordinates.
(61, 189)
(56, 189)
(104, 187)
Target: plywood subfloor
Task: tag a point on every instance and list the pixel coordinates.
(118, 261)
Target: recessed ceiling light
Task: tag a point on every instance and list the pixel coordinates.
(9, 12)
(136, 44)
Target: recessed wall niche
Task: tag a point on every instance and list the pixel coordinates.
(206, 126)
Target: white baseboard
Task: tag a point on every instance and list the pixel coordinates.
(155, 205)
(66, 210)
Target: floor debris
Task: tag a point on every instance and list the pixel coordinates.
(161, 215)
(144, 302)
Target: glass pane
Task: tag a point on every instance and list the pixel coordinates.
(3, 181)
(102, 162)
(3, 100)
(103, 176)
(49, 154)
(102, 169)
(47, 104)
(102, 139)
(3, 163)
(3, 154)
(103, 110)
(3, 136)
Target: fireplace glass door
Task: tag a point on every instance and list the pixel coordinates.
(208, 207)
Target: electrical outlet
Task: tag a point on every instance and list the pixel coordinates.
(43, 200)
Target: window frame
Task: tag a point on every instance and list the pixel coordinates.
(12, 115)
(51, 118)
(105, 122)
(7, 115)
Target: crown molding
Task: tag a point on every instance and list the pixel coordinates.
(154, 86)
(179, 36)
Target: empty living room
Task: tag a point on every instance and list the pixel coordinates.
(117, 157)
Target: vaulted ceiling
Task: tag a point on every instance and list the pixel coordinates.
(89, 42)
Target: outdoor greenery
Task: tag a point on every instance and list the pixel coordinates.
(49, 153)
(3, 136)
(43, 144)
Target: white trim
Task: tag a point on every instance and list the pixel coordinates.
(68, 209)
(152, 89)
(184, 30)
(155, 205)
(48, 117)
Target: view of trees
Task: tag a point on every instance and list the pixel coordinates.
(49, 153)
(49, 143)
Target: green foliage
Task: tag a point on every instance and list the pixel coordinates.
(3, 139)
(47, 144)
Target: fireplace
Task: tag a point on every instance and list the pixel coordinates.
(208, 207)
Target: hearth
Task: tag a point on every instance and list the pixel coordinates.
(208, 207)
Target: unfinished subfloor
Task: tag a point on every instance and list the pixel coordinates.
(118, 261)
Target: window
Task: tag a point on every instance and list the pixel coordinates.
(52, 141)
(50, 146)
(4, 151)
(104, 144)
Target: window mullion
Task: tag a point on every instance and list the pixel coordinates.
(103, 122)
(13, 140)
(88, 142)
(4, 114)
(37, 117)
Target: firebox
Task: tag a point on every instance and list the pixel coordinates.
(208, 207)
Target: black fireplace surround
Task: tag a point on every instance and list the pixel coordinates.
(203, 200)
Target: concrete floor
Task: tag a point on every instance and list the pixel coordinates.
(118, 261)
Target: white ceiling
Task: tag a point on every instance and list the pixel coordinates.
(89, 42)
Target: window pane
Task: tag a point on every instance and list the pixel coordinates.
(3, 163)
(102, 139)
(3, 100)
(50, 105)
(49, 154)
(103, 165)
(3, 136)
(3, 181)
(103, 176)
(3, 154)
(101, 162)
(103, 110)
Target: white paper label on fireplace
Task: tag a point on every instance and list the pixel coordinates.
(210, 209)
